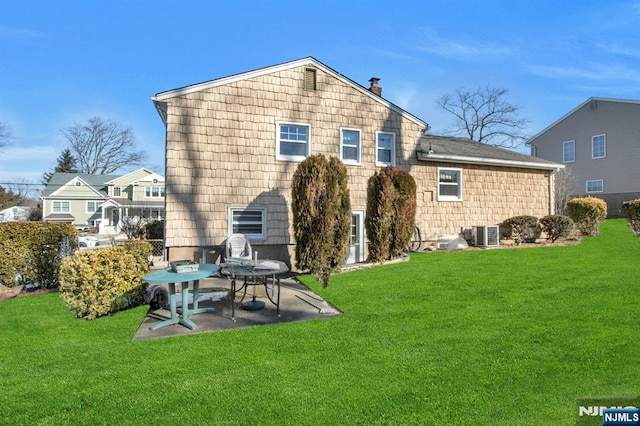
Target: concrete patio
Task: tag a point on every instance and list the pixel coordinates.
(297, 303)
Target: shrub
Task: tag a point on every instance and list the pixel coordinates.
(556, 226)
(631, 210)
(99, 282)
(31, 252)
(321, 215)
(521, 229)
(154, 230)
(587, 213)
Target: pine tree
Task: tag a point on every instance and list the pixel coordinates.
(66, 164)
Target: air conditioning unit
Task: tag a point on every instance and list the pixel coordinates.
(487, 236)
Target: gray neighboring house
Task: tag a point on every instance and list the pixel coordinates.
(599, 142)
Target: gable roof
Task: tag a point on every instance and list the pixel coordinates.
(60, 180)
(460, 150)
(591, 99)
(159, 98)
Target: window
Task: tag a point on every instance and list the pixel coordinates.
(61, 207)
(596, 185)
(116, 191)
(385, 149)
(154, 191)
(350, 146)
(309, 79)
(93, 206)
(449, 184)
(598, 146)
(250, 221)
(293, 141)
(569, 151)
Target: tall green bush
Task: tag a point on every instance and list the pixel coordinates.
(31, 252)
(321, 215)
(587, 213)
(99, 282)
(391, 212)
(631, 210)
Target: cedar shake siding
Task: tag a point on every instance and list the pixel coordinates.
(221, 153)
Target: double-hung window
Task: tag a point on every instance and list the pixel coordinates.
(350, 151)
(116, 191)
(252, 222)
(61, 207)
(293, 141)
(93, 206)
(598, 146)
(569, 151)
(596, 185)
(154, 191)
(385, 149)
(449, 184)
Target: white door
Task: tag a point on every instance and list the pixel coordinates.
(356, 243)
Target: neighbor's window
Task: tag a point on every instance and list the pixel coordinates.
(350, 146)
(61, 207)
(293, 141)
(385, 149)
(251, 222)
(93, 206)
(596, 185)
(569, 151)
(116, 191)
(154, 191)
(449, 184)
(599, 146)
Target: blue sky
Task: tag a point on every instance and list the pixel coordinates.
(63, 62)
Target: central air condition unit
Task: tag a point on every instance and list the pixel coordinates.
(487, 236)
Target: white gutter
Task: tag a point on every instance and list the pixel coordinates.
(486, 161)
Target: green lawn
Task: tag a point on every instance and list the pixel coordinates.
(500, 337)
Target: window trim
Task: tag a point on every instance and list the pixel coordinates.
(61, 202)
(148, 191)
(358, 160)
(298, 158)
(117, 191)
(592, 181)
(392, 149)
(564, 157)
(450, 197)
(96, 204)
(263, 222)
(604, 146)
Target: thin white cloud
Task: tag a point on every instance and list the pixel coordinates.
(592, 72)
(19, 33)
(461, 50)
(617, 49)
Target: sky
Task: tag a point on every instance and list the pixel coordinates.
(63, 62)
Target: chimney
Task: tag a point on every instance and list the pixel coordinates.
(374, 86)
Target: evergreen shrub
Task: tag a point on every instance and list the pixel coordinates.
(631, 210)
(587, 213)
(556, 226)
(521, 229)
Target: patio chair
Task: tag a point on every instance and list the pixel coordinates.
(238, 248)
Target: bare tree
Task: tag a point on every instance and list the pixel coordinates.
(102, 147)
(563, 188)
(483, 115)
(5, 134)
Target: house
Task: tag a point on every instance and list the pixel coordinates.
(234, 143)
(15, 214)
(103, 201)
(599, 143)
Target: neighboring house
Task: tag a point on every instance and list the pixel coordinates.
(103, 201)
(599, 143)
(233, 145)
(15, 214)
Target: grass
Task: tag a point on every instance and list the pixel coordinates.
(501, 337)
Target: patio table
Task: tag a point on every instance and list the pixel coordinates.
(255, 273)
(171, 278)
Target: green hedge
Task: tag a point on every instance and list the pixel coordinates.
(521, 229)
(556, 226)
(587, 213)
(31, 252)
(631, 210)
(102, 281)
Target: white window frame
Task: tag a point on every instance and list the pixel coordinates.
(592, 181)
(358, 159)
(96, 207)
(61, 206)
(603, 138)
(149, 191)
(457, 197)
(564, 151)
(285, 157)
(392, 149)
(232, 229)
(117, 191)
